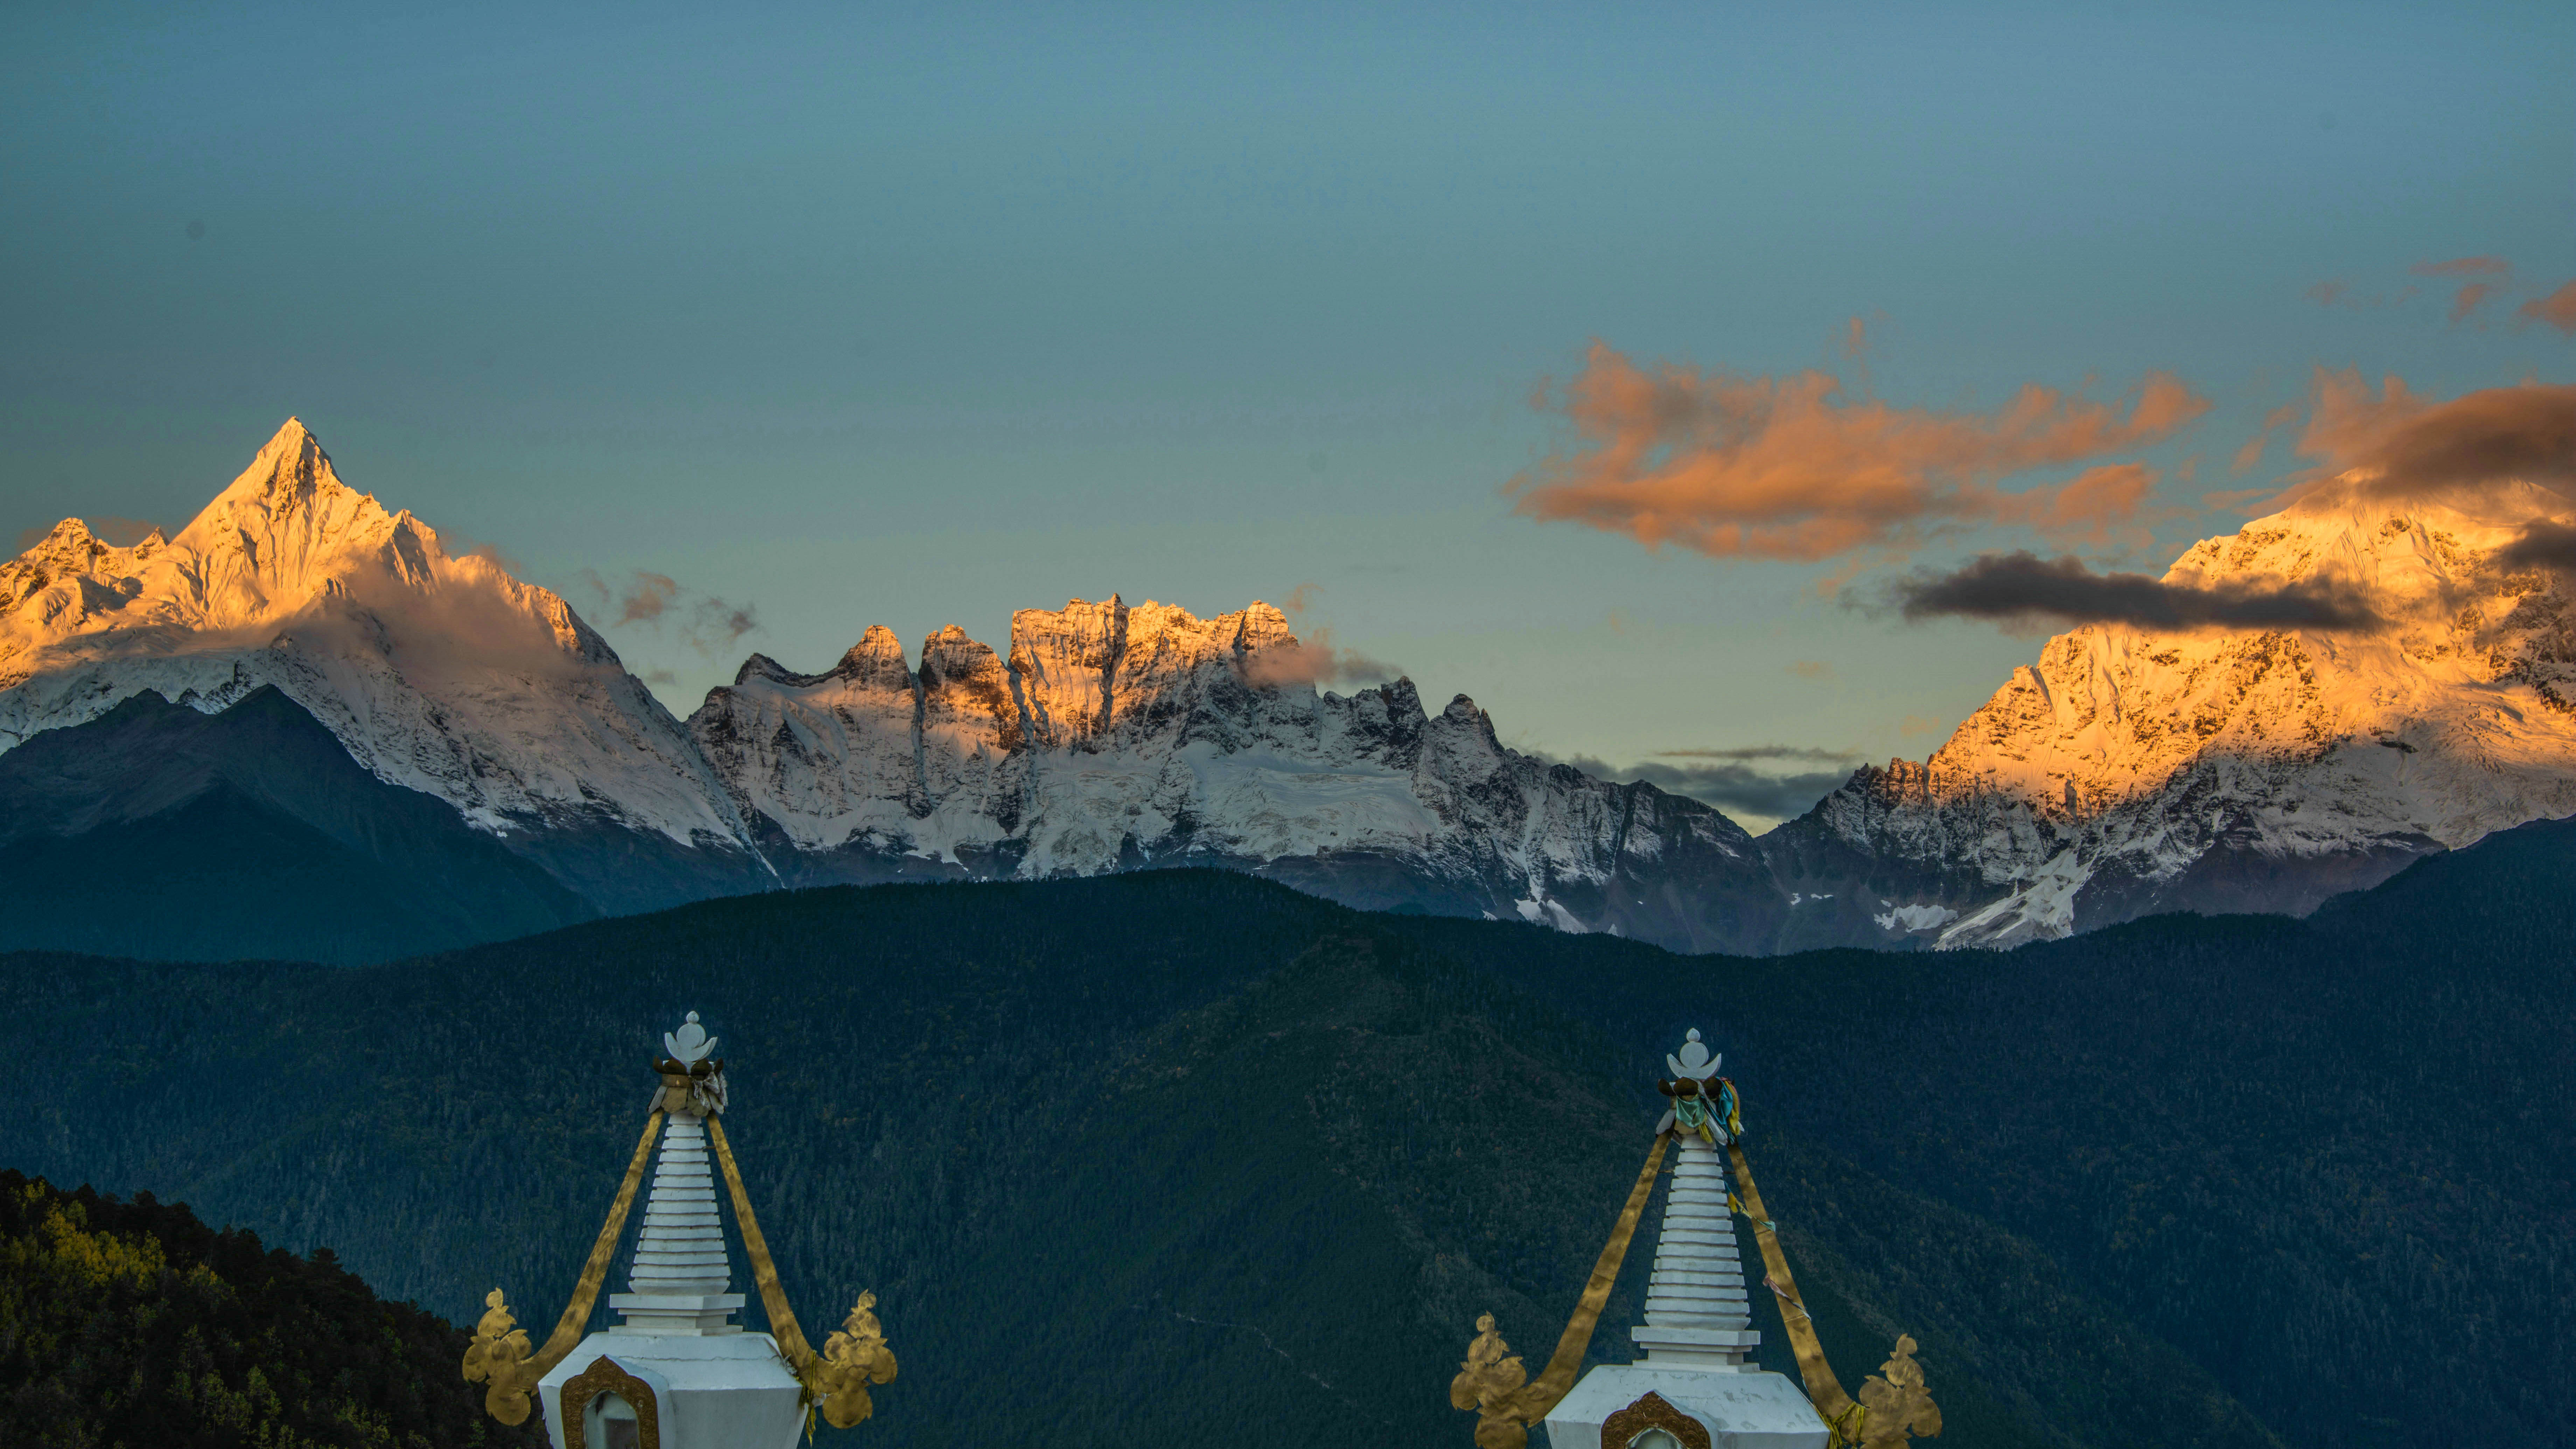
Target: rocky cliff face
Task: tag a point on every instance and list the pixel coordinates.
(2129, 771)
(2125, 771)
(1121, 737)
(1107, 738)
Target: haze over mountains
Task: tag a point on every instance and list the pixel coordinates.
(2125, 772)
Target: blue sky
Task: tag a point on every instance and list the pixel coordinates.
(917, 316)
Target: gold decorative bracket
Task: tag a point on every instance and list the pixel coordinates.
(1890, 1409)
(854, 1357)
(1491, 1381)
(499, 1354)
(835, 1380)
(1823, 1389)
(1894, 1404)
(773, 1294)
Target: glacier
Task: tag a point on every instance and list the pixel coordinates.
(2129, 771)
(2124, 771)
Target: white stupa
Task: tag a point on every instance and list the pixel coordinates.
(1694, 1388)
(679, 1373)
(678, 1359)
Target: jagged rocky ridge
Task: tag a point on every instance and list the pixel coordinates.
(2124, 772)
(1117, 737)
(1110, 738)
(2130, 771)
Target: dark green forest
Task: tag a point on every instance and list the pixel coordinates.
(1183, 1154)
(134, 1324)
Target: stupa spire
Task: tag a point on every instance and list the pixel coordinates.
(1693, 1389)
(682, 1278)
(679, 1373)
(1696, 1313)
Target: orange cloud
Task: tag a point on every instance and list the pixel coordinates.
(2252, 452)
(2241, 500)
(2086, 508)
(2407, 446)
(2466, 300)
(2327, 293)
(1793, 468)
(2558, 309)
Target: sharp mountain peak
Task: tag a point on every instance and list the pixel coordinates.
(2122, 771)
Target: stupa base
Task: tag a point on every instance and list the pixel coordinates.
(1735, 1408)
(709, 1392)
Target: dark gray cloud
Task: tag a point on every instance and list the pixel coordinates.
(645, 599)
(1314, 660)
(642, 598)
(2414, 448)
(2542, 545)
(2022, 586)
(1736, 788)
(705, 622)
(715, 624)
(1763, 752)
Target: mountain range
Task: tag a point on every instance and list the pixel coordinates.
(299, 681)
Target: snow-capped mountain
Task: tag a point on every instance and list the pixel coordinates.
(1117, 737)
(1110, 738)
(439, 674)
(2125, 772)
(2129, 771)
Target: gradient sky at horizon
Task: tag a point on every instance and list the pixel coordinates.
(861, 315)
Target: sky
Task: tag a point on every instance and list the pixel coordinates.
(1604, 367)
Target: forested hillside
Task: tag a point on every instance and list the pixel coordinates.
(133, 1324)
(1171, 1155)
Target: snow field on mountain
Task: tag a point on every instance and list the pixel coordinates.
(2124, 770)
(439, 674)
(2140, 750)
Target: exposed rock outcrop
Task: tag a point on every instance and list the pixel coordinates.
(2130, 771)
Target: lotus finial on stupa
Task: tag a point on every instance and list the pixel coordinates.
(690, 1044)
(1695, 1062)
